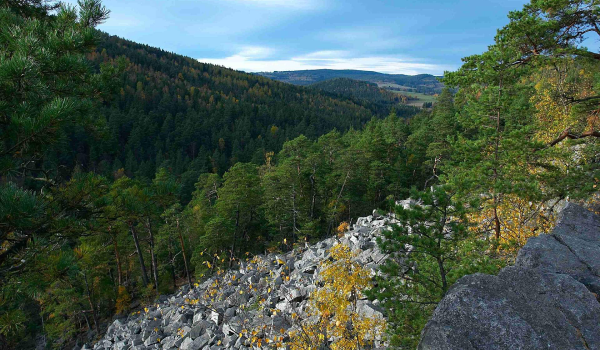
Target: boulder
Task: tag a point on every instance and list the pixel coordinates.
(216, 316)
(573, 248)
(186, 344)
(547, 300)
(368, 309)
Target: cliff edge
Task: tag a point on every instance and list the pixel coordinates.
(548, 300)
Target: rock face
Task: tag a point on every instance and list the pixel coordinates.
(548, 300)
(260, 294)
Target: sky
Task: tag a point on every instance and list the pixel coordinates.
(388, 36)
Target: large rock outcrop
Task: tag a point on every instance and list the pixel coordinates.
(547, 300)
(226, 311)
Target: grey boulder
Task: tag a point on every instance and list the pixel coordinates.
(546, 301)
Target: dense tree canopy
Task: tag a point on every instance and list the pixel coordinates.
(174, 112)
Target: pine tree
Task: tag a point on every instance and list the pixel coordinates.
(491, 155)
(286, 190)
(428, 250)
(239, 199)
(46, 86)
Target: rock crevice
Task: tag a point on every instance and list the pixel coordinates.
(583, 261)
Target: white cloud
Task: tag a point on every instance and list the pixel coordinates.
(251, 65)
(258, 60)
(323, 55)
(255, 52)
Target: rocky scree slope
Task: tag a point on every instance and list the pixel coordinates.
(224, 313)
(548, 300)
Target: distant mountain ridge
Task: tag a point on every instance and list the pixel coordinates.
(424, 83)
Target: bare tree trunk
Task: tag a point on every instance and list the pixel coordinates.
(185, 264)
(496, 221)
(117, 258)
(172, 260)
(152, 254)
(91, 301)
(139, 252)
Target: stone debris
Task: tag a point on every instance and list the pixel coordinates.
(258, 297)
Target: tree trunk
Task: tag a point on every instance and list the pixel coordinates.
(139, 252)
(85, 317)
(442, 275)
(235, 231)
(313, 191)
(152, 255)
(330, 228)
(118, 260)
(496, 165)
(496, 222)
(185, 264)
(91, 301)
(294, 228)
(172, 260)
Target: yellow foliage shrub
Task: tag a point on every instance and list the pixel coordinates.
(555, 111)
(593, 203)
(123, 300)
(343, 227)
(519, 221)
(332, 311)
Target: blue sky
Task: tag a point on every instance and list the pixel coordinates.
(409, 37)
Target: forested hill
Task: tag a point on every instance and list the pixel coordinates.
(425, 83)
(191, 117)
(357, 89)
(380, 99)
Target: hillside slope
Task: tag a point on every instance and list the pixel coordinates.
(259, 302)
(365, 92)
(357, 89)
(173, 111)
(547, 300)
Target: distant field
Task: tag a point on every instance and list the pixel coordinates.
(421, 98)
(394, 86)
(408, 91)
